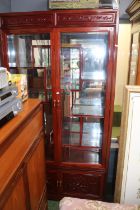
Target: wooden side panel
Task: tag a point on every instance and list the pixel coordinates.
(15, 153)
(36, 175)
(17, 199)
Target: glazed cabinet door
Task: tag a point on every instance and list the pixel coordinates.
(85, 78)
(36, 175)
(30, 65)
(17, 198)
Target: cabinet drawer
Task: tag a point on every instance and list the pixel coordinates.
(12, 158)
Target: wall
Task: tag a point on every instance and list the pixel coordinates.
(29, 5)
(124, 39)
(23, 6)
(33, 5)
(5, 5)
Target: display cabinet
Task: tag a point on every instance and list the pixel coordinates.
(69, 57)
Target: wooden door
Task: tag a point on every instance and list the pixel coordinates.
(84, 97)
(37, 175)
(53, 183)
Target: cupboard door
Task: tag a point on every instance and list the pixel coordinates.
(85, 97)
(81, 184)
(17, 199)
(37, 175)
(52, 186)
(30, 66)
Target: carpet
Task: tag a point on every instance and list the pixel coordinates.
(53, 205)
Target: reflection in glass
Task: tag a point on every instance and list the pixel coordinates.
(29, 54)
(29, 50)
(83, 84)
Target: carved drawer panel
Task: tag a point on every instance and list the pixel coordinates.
(28, 20)
(89, 19)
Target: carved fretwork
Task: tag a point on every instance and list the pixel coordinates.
(28, 20)
(72, 19)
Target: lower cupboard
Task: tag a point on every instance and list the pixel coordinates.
(74, 183)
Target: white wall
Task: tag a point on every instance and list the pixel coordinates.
(123, 54)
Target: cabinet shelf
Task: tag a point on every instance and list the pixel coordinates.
(86, 148)
(81, 156)
(87, 110)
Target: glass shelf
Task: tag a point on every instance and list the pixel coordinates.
(89, 101)
(88, 110)
(98, 75)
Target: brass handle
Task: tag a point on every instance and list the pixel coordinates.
(58, 103)
(59, 183)
(51, 138)
(54, 103)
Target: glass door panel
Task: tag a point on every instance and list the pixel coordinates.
(29, 60)
(84, 59)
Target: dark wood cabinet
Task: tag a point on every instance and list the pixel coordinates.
(23, 174)
(73, 53)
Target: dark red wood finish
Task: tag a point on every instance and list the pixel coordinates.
(70, 179)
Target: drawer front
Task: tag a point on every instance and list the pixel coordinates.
(85, 19)
(12, 158)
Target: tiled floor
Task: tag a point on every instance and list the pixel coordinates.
(53, 205)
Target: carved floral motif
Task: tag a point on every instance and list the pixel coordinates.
(74, 18)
